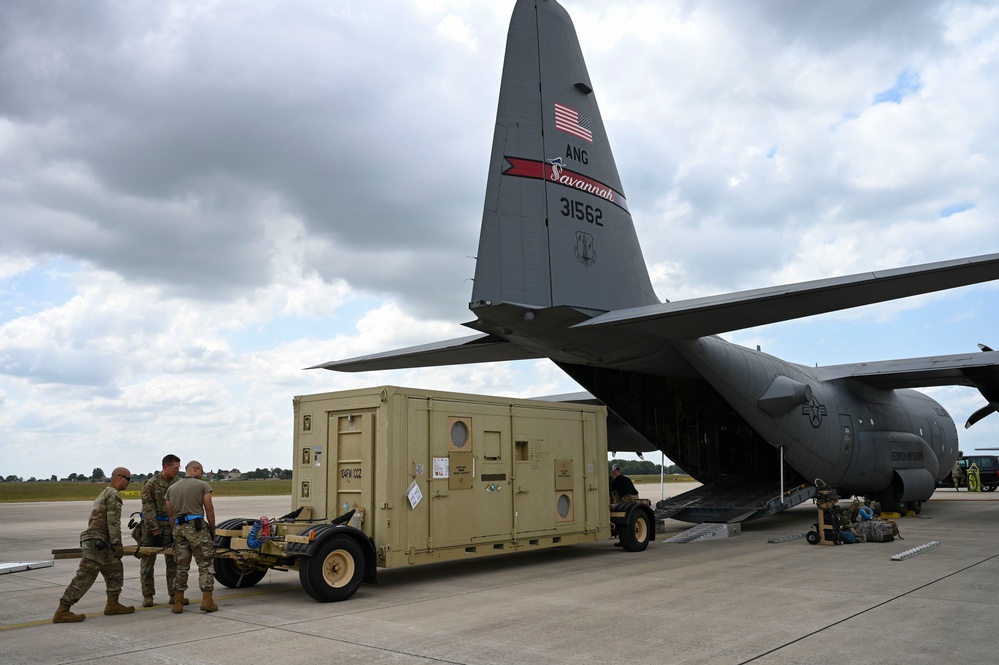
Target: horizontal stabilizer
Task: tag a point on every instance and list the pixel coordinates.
(460, 351)
(699, 317)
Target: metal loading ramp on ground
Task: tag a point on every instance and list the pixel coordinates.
(706, 531)
(732, 501)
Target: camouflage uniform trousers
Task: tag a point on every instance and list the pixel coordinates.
(95, 561)
(188, 542)
(147, 564)
(629, 498)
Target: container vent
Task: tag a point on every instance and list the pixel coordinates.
(459, 434)
(563, 507)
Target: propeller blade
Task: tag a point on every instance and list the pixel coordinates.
(978, 415)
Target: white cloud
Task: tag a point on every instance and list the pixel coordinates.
(241, 191)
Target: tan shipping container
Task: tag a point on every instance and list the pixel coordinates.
(436, 476)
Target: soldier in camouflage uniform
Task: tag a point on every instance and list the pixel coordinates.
(102, 552)
(157, 529)
(189, 503)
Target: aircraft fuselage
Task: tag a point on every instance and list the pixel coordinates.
(842, 431)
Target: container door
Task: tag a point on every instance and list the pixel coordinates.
(555, 481)
(349, 456)
(470, 466)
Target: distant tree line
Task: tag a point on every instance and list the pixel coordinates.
(631, 467)
(98, 475)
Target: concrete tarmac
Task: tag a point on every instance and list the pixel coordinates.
(737, 600)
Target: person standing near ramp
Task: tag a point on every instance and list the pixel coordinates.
(102, 552)
(189, 504)
(157, 529)
(622, 487)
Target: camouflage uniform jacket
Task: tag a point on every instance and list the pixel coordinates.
(105, 518)
(154, 503)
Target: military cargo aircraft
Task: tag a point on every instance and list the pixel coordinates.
(560, 275)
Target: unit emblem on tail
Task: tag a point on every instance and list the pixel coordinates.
(584, 249)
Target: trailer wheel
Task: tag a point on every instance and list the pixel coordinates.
(235, 574)
(636, 533)
(224, 541)
(335, 571)
(812, 537)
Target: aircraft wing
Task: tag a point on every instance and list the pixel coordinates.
(460, 351)
(977, 370)
(699, 317)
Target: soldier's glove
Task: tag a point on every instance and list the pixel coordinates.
(119, 551)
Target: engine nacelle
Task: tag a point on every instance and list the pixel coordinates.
(882, 459)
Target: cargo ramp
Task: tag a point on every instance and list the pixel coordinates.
(731, 501)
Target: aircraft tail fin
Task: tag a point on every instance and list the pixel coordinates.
(556, 229)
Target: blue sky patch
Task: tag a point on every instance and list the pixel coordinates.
(43, 287)
(907, 83)
(955, 208)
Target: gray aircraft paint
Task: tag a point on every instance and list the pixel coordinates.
(529, 251)
(552, 282)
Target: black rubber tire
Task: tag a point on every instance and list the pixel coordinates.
(229, 572)
(991, 488)
(812, 537)
(334, 571)
(890, 500)
(224, 541)
(636, 534)
(915, 506)
(233, 574)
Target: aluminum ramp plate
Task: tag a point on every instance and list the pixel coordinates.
(706, 531)
(732, 501)
(21, 566)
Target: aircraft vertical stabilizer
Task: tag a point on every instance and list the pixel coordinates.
(555, 228)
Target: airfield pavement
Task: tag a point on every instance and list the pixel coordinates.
(737, 600)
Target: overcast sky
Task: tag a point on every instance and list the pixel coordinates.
(198, 200)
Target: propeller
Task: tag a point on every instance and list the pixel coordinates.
(991, 395)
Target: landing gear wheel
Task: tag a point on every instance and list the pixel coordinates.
(334, 571)
(891, 500)
(915, 506)
(235, 574)
(635, 535)
(812, 537)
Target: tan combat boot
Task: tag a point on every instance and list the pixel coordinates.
(114, 607)
(187, 601)
(147, 601)
(207, 603)
(178, 602)
(63, 615)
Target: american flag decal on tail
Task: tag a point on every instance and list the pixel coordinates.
(573, 122)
